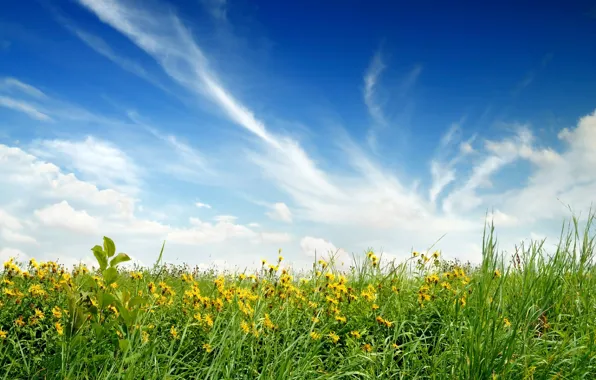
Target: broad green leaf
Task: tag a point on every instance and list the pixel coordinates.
(110, 275)
(136, 301)
(101, 257)
(108, 246)
(124, 314)
(124, 344)
(120, 258)
(106, 299)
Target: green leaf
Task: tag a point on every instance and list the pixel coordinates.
(120, 258)
(97, 329)
(136, 301)
(105, 299)
(101, 257)
(124, 344)
(108, 246)
(110, 275)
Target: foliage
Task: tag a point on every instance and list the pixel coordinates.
(423, 318)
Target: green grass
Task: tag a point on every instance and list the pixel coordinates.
(531, 315)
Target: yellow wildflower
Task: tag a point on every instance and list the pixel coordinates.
(208, 320)
(356, 334)
(57, 312)
(173, 332)
(315, 335)
(340, 318)
(506, 322)
(145, 336)
(333, 336)
(19, 321)
(245, 327)
(367, 347)
(59, 328)
(207, 347)
(39, 314)
(268, 322)
(3, 334)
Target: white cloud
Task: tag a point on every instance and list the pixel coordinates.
(16, 237)
(202, 205)
(323, 249)
(207, 233)
(51, 207)
(62, 215)
(9, 221)
(98, 161)
(280, 212)
(24, 107)
(374, 71)
(16, 254)
(10, 83)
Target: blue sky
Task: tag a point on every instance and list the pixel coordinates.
(233, 128)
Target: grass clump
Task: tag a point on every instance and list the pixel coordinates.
(531, 316)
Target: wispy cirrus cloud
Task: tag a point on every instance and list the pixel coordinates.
(371, 78)
(10, 84)
(21, 106)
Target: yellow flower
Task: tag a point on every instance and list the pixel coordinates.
(436, 254)
(375, 306)
(315, 320)
(268, 322)
(414, 254)
(333, 336)
(497, 273)
(3, 334)
(37, 290)
(245, 327)
(394, 346)
(19, 321)
(340, 318)
(280, 258)
(39, 314)
(315, 335)
(114, 285)
(56, 312)
(506, 322)
(208, 320)
(462, 300)
(59, 328)
(355, 334)
(207, 347)
(173, 332)
(367, 347)
(145, 336)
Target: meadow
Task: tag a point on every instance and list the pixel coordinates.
(526, 315)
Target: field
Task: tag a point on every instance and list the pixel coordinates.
(523, 316)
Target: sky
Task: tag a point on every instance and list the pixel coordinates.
(231, 129)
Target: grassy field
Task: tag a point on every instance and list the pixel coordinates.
(529, 315)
